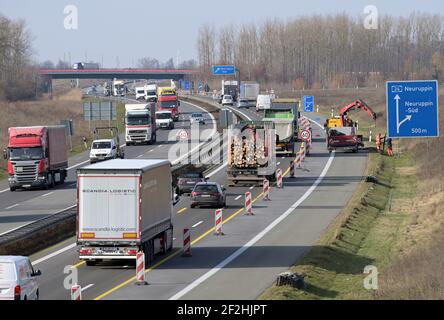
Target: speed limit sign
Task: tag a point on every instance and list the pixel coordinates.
(306, 135)
(183, 135)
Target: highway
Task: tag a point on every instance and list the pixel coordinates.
(253, 251)
(21, 207)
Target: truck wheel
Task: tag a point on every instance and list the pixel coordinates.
(63, 175)
(91, 263)
(12, 189)
(154, 138)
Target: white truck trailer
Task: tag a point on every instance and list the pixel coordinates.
(123, 207)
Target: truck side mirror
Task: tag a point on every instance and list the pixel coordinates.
(5, 154)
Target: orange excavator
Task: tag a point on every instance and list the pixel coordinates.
(342, 130)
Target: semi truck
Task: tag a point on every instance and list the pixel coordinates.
(123, 207)
(37, 157)
(230, 87)
(85, 65)
(249, 91)
(284, 114)
(151, 93)
(118, 88)
(251, 152)
(140, 123)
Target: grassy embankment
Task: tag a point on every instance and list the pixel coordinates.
(66, 104)
(395, 225)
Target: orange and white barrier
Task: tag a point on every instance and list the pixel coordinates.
(218, 223)
(266, 189)
(76, 292)
(248, 204)
(279, 178)
(186, 243)
(140, 268)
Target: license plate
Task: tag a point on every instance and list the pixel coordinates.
(19, 169)
(108, 249)
(190, 182)
(206, 196)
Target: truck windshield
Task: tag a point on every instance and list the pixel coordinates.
(137, 120)
(151, 93)
(101, 145)
(33, 153)
(168, 104)
(163, 115)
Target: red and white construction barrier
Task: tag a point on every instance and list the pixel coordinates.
(266, 189)
(279, 178)
(297, 161)
(76, 292)
(186, 243)
(248, 204)
(140, 268)
(218, 223)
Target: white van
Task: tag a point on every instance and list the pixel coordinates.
(18, 279)
(141, 93)
(263, 102)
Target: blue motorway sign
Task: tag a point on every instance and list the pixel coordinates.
(187, 85)
(224, 70)
(412, 109)
(308, 103)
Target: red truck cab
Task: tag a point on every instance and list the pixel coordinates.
(169, 103)
(35, 156)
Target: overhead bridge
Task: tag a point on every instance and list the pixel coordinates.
(174, 74)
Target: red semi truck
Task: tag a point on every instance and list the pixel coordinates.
(36, 155)
(169, 103)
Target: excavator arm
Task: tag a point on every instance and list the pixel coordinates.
(359, 104)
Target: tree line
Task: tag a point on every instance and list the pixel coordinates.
(18, 76)
(327, 51)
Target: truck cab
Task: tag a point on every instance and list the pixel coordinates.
(140, 123)
(169, 103)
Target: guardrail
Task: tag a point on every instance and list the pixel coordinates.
(61, 225)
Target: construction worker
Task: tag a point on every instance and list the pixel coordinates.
(389, 147)
(378, 142)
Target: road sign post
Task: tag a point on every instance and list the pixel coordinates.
(412, 109)
(308, 103)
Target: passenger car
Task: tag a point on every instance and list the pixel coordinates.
(208, 194)
(227, 100)
(187, 181)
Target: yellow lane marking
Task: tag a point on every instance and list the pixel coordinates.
(182, 210)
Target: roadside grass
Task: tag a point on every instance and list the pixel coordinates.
(365, 233)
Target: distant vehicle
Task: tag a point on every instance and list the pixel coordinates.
(36, 155)
(85, 65)
(263, 102)
(140, 123)
(151, 93)
(187, 181)
(18, 279)
(344, 138)
(208, 194)
(118, 88)
(230, 88)
(169, 103)
(124, 207)
(197, 117)
(227, 100)
(141, 93)
(245, 103)
(164, 119)
(249, 91)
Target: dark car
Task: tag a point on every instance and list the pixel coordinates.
(245, 103)
(208, 194)
(187, 181)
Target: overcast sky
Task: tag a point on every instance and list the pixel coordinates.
(120, 32)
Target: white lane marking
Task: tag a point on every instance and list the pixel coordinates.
(78, 164)
(4, 190)
(195, 225)
(238, 197)
(140, 156)
(251, 188)
(151, 150)
(160, 146)
(87, 287)
(278, 163)
(258, 237)
(73, 184)
(10, 207)
(212, 173)
(47, 194)
(72, 245)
